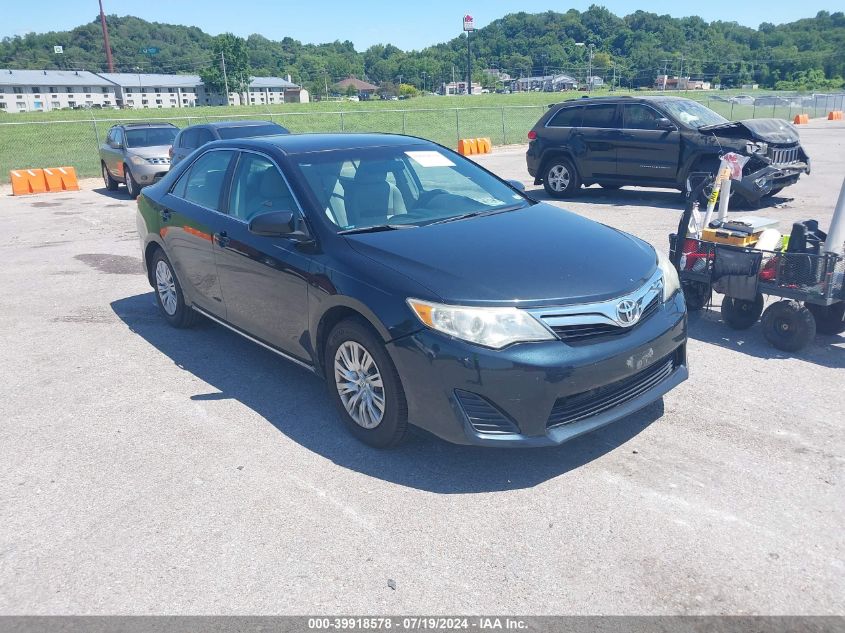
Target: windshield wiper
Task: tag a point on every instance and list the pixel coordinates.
(376, 228)
(475, 214)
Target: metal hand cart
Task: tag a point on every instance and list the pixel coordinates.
(811, 285)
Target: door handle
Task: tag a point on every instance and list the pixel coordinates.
(221, 239)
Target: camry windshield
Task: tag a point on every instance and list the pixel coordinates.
(150, 137)
(693, 114)
(402, 187)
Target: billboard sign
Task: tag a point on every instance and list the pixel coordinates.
(469, 25)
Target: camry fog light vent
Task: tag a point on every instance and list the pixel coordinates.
(483, 415)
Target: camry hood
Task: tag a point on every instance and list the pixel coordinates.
(767, 130)
(536, 256)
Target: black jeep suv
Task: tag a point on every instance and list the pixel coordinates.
(657, 142)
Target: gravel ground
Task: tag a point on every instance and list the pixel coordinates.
(149, 470)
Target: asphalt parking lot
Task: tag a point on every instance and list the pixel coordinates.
(150, 470)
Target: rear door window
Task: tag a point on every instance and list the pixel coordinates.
(189, 139)
(204, 136)
(566, 117)
(203, 183)
(602, 115)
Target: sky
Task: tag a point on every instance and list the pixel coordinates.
(408, 24)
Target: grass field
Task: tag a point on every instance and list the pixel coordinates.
(59, 138)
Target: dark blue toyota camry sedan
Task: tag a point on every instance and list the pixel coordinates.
(424, 289)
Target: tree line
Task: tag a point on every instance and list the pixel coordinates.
(632, 50)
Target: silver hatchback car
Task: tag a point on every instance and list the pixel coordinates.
(136, 154)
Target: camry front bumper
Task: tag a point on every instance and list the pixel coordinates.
(539, 394)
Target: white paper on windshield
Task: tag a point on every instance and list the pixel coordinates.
(430, 159)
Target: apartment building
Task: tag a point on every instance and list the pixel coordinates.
(44, 90)
(143, 90)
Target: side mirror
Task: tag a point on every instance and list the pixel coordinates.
(278, 224)
(273, 224)
(666, 124)
(516, 185)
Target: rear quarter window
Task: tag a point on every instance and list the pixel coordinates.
(566, 117)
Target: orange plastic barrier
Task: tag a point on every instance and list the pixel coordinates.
(801, 118)
(835, 115)
(26, 181)
(469, 146)
(61, 179)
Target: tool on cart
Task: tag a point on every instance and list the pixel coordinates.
(745, 258)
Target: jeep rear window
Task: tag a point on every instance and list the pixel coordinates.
(566, 117)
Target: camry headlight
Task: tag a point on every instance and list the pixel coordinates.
(137, 160)
(671, 283)
(491, 327)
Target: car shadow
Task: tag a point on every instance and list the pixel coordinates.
(707, 326)
(295, 402)
(120, 194)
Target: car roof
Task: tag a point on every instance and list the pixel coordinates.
(584, 100)
(224, 124)
(145, 124)
(306, 143)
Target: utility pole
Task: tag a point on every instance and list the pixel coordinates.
(613, 85)
(590, 72)
(225, 78)
(681, 73)
(106, 43)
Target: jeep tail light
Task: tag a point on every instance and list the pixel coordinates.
(170, 151)
(532, 135)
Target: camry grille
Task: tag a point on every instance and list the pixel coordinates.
(583, 331)
(595, 401)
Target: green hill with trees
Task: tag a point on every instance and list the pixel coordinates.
(803, 55)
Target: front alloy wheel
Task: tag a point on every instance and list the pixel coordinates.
(364, 384)
(359, 384)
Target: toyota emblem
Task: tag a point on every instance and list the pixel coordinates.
(628, 312)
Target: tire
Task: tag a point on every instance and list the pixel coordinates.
(560, 178)
(788, 325)
(740, 314)
(168, 292)
(609, 186)
(111, 183)
(829, 319)
(132, 186)
(697, 294)
(351, 345)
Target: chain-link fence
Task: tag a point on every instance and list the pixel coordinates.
(76, 142)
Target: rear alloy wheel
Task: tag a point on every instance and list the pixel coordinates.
(364, 385)
(111, 183)
(788, 325)
(132, 187)
(741, 314)
(829, 319)
(560, 179)
(169, 297)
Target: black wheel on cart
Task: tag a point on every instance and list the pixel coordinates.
(697, 294)
(788, 325)
(829, 319)
(741, 314)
